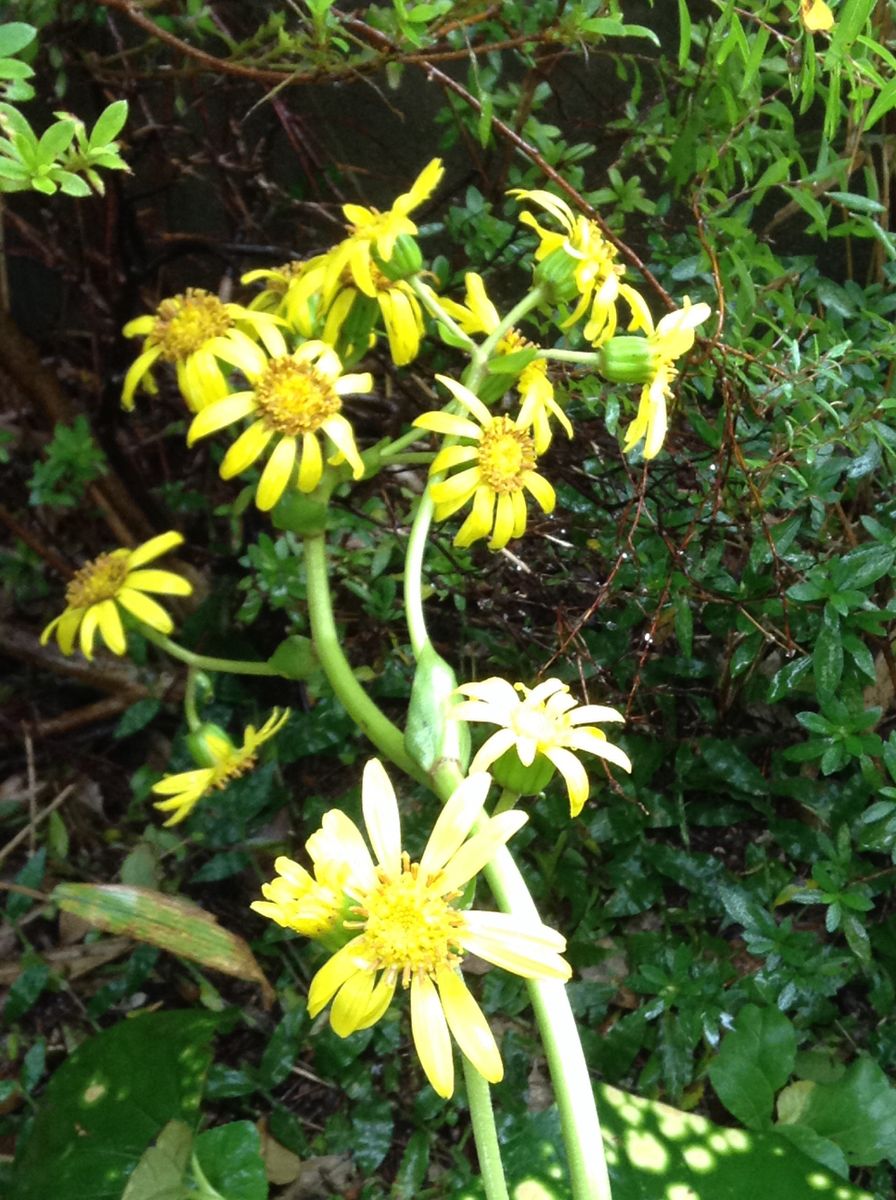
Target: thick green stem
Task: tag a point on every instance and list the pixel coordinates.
(367, 716)
(488, 1149)
(587, 358)
(205, 662)
(191, 711)
(413, 573)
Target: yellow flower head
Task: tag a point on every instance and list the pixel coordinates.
(405, 926)
(370, 230)
(117, 579)
(544, 720)
(399, 308)
(502, 461)
(672, 338)
(598, 276)
(278, 281)
(816, 16)
(227, 762)
(536, 391)
(187, 330)
(294, 398)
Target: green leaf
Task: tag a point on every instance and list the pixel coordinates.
(372, 1127)
(109, 124)
(858, 1112)
(174, 924)
(754, 1061)
(229, 1158)
(15, 36)
(294, 658)
(109, 1101)
(137, 717)
(827, 662)
(684, 32)
(863, 566)
(857, 203)
(161, 1172)
(55, 141)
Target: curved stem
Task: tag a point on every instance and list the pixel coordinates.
(205, 662)
(367, 716)
(191, 711)
(413, 573)
(488, 1149)
(529, 301)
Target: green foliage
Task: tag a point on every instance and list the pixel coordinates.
(73, 460)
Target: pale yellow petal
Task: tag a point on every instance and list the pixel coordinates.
(480, 849)
(574, 774)
(454, 822)
(145, 609)
(276, 475)
(468, 1025)
(380, 809)
(162, 582)
(332, 975)
(431, 1037)
(154, 548)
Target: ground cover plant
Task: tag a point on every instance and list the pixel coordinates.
(448, 692)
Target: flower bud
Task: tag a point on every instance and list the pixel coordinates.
(209, 745)
(432, 734)
(510, 773)
(557, 274)
(406, 259)
(626, 360)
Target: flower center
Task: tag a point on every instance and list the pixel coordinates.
(98, 580)
(185, 323)
(294, 397)
(538, 725)
(506, 455)
(409, 928)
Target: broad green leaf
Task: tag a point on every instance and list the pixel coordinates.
(15, 36)
(174, 924)
(109, 124)
(863, 566)
(108, 1101)
(294, 658)
(161, 1172)
(754, 1061)
(858, 1112)
(229, 1158)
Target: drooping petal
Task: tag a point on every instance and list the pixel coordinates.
(592, 743)
(352, 1002)
(492, 749)
(575, 775)
(88, 630)
(311, 464)
(431, 1038)
(379, 1002)
(340, 432)
(468, 1025)
(479, 521)
(245, 450)
(541, 490)
(381, 818)
(503, 529)
(184, 782)
(136, 372)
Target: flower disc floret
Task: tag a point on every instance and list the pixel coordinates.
(295, 398)
(117, 580)
(404, 924)
(499, 468)
(184, 790)
(541, 721)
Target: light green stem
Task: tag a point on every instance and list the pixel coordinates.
(413, 573)
(204, 662)
(486, 350)
(367, 716)
(190, 710)
(588, 358)
(488, 1149)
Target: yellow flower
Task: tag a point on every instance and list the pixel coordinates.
(370, 230)
(278, 282)
(117, 578)
(188, 330)
(226, 762)
(541, 721)
(503, 462)
(399, 307)
(816, 16)
(405, 926)
(673, 337)
(536, 391)
(294, 397)
(598, 276)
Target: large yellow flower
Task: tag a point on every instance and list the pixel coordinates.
(405, 926)
(370, 230)
(541, 721)
(536, 391)
(673, 337)
(116, 579)
(503, 460)
(224, 763)
(597, 275)
(187, 330)
(294, 398)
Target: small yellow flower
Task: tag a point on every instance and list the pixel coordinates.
(405, 927)
(536, 391)
(673, 337)
(227, 762)
(187, 330)
(503, 460)
(116, 579)
(541, 721)
(399, 307)
(278, 280)
(370, 230)
(294, 398)
(816, 16)
(598, 276)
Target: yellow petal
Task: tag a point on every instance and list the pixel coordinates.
(311, 465)
(431, 1038)
(245, 450)
(352, 1002)
(527, 949)
(222, 412)
(575, 775)
(454, 822)
(135, 375)
(276, 475)
(816, 16)
(480, 849)
(332, 975)
(145, 609)
(479, 523)
(164, 582)
(503, 529)
(381, 818)
(111, 628)
(154, 548)
(469, 1026)
(88, 630)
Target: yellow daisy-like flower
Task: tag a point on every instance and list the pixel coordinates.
(405, 926)
(502, 469)
(370, 230)
(672, 337)
(598, 276)
(536, 391)
(186, 330)
(294, 398)
(226, 762)
(545, 721)
(816, 16)
(118, 578)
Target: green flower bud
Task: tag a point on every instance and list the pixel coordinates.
(432, 735)
(510, 773)
(557, 274)
(209, 745)
(626, 360)
(299, 514)
(406, 259)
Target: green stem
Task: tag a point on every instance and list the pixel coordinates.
(190, 710)
(413, 573)
(430, 302)
(204, 662)
(506, 801)
(367, 716)
(529, 301)
(488, 1149)
(588, 358)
